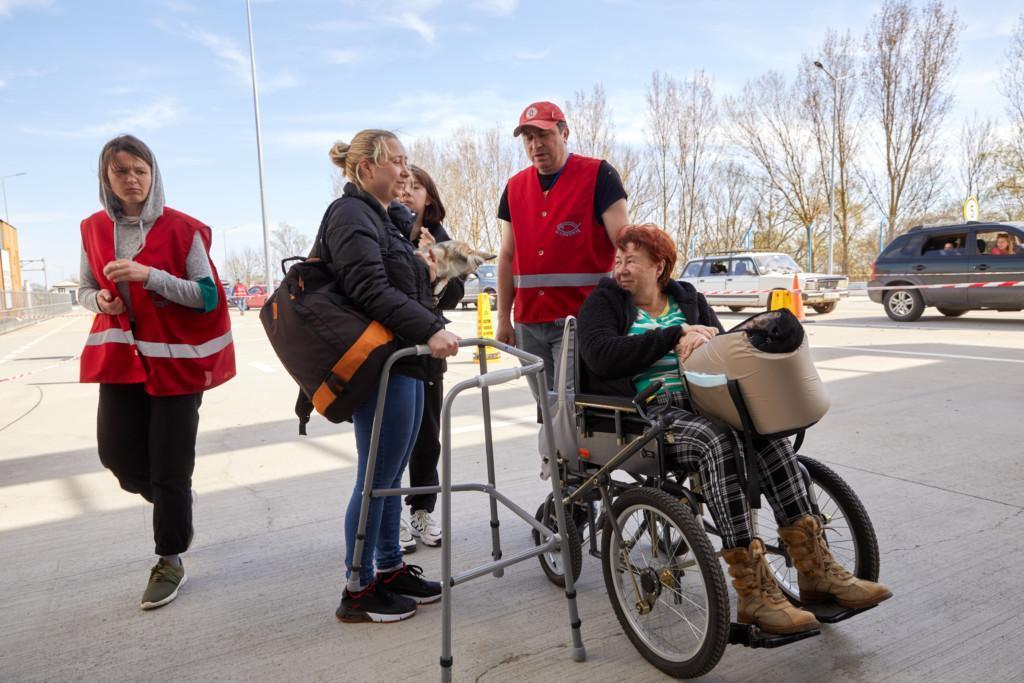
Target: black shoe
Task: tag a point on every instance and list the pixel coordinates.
(407, 582)
(374, 603)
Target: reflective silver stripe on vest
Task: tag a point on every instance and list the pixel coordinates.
(558, 280)
(115, 335)
(162, 350)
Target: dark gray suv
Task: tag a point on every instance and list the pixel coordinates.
(973, 253)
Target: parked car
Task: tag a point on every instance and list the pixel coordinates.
(257, 296)
(748, 277)
(949, 254)
(485, 279)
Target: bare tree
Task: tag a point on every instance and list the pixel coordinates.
(662, 111)
(978, 157)
(911, 58)
(288, 241)
(1010, 186)
(245, 266)
(695, 157)
(590, 123)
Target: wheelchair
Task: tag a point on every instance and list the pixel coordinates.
(650, 529)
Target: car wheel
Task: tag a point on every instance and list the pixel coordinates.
(494, 300)
(951, 312)
(822, 309)
(903, 305)
(736, 309)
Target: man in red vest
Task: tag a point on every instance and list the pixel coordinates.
(559, 219)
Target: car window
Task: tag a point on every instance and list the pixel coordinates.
(255, 290)
(998, 242)
(715, 268)
(692, 269)
(942, 245)
(777, 263)
(906, 245)
(743, 266)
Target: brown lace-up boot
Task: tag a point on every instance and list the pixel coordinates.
(821, 578)
(761, 601)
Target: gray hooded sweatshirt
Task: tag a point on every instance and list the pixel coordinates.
(198, 291)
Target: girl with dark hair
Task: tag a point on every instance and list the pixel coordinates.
(160, 338)
(420, 196)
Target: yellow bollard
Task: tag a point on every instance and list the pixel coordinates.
(780, 298)
(484, 328)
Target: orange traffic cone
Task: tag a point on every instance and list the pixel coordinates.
(797, 304)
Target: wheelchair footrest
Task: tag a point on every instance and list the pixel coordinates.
(831, 613)
(749, 635)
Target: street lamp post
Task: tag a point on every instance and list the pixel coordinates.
(259, 151)
(3, 188)
(832, 170)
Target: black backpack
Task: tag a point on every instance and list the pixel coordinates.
(333, 350)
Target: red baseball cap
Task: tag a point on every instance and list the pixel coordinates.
(544, 115)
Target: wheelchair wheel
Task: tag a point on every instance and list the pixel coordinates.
(551, 562)
(672, 604)
(848, 529)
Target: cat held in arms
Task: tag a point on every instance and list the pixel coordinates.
(452, 259)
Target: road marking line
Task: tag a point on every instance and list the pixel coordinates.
(955, 356)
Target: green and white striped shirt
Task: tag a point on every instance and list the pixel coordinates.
(665, 368)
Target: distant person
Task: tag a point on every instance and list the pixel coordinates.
(1006, 245)
(157, 343)
(559, 221)
(377, 268)
(421, 197)
(948, 249)
(239, 294)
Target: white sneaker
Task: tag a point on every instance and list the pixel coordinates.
(425, 528)
(405, 537)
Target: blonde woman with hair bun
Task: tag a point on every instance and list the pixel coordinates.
(364, 236)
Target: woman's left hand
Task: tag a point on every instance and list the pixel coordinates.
(126, 270)
(689, 343)
(428, 258)
(426, 239)
(701, 330)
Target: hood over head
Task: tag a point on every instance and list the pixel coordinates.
(154, 204)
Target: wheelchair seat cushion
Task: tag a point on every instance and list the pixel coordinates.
(769, 357)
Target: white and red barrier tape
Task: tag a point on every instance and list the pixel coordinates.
(951, 285)
(25, 374)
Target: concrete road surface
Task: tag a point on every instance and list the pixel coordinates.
(925, 425)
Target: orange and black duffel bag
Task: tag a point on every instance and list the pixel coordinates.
(330, 348)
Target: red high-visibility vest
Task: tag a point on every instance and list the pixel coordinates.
(172, 349)
(561, 251)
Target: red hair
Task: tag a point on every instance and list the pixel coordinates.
(655, 241)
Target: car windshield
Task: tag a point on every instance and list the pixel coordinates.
(776, 263)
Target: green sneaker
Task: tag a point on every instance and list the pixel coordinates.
(164, 581)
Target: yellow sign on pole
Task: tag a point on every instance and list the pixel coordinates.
(484, 328)
(971, 209)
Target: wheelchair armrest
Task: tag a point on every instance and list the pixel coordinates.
(605, 402)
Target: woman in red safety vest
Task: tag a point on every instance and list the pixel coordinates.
(160, 338)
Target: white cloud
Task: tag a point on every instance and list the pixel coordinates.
(9, 7)
(3, 83)
(343, 56)
(414, 23)
(531, 56)
(159, 114)
(498, 7)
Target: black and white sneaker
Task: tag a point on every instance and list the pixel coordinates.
(374, 603)
(407, 582)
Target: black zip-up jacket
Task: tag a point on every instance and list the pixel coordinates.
(450, 296)
(611, 356)
(383, 277)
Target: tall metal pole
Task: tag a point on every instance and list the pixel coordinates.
(259, 152)
(3, 188)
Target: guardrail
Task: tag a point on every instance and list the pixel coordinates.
(18, 309)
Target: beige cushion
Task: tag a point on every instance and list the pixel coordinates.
(782, 391)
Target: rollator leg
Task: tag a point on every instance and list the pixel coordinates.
(489, 449)
(579, 653)
(446, 534)
(371, 466)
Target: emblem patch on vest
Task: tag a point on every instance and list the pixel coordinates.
(567, 229)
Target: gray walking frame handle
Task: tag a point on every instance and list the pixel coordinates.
(531, 364)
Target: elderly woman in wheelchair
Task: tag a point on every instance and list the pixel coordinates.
(634, 329)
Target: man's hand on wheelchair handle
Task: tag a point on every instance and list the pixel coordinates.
(505, 332)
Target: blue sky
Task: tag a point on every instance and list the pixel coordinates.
(176, 73)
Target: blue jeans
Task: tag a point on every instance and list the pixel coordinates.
(403, 408)
(545, 340)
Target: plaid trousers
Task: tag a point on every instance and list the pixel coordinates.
(696, 444)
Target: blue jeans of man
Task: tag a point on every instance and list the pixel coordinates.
(545, 340)
(403, 408)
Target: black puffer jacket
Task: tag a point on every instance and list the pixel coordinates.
(453, 292)
(611, 356)
(383, 278)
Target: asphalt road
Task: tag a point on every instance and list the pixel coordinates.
(925, 426)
